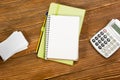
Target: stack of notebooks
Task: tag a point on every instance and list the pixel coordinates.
(59, 38)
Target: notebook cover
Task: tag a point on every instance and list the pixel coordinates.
(62, 37)
(58, 9)
(41, 51)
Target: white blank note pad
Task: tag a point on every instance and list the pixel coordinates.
(62, 37)
(14, 43)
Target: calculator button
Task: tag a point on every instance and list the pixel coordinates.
(114, 40)
(96, 38)
(117, 44)
(106, 54)
(105, 36)
(108, 51)
(96, 44)
(108, 39)
(111, 43)
(99, 41)
(114, 46)
(102, 39)
(101, 33)
(99, 47)
(111, 38)
(105, 42)
(104, 30)
(106, 47)
(111, 48)
(93, 40)
(102, 45)
(103, 50)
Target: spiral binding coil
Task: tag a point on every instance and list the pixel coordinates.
(47, 36)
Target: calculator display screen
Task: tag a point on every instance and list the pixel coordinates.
(116, 28)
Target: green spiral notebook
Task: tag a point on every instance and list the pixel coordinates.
(58, 9)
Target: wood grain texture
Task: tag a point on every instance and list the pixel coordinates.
(28, 16)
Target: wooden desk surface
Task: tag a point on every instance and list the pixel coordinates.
(28, 16)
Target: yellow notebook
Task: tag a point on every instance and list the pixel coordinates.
(58, 9)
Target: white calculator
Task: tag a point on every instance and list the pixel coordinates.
(107, 40)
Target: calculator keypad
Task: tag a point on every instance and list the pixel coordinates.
(105, 42)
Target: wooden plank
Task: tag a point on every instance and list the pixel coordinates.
(21, 68)
(102, 72)
(88, 4)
